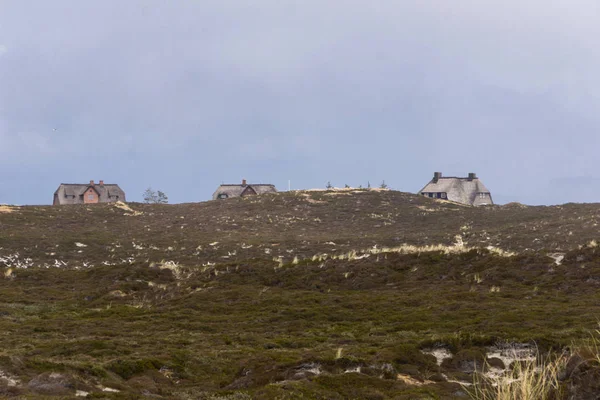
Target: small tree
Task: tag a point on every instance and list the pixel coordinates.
(368, 185)
(152, 197)
(329, 185)
(347, 186)
(383, 185)
(162, 197)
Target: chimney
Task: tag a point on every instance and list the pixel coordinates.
(92, 182)
(436, 176)
(101, 182)
(472, 176)
(243, 182)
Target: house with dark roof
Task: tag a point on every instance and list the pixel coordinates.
(469, 190)
(76, 193)
(227, 191)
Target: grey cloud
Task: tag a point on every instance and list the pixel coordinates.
(162, 93)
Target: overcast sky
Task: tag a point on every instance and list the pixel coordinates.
(184, 95)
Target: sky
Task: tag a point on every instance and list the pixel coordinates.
(184, 95)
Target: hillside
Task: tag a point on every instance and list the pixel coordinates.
(288, 225)
(338, 294)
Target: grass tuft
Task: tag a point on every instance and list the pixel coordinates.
(527, 380)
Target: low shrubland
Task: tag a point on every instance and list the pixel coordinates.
(325, 328)
(340, 297)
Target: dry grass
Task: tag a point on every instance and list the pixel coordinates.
(179, 272)
(7, 209)
(589, 349)
(457, 248)
(8, 273)
(408, 380)
(528, 380)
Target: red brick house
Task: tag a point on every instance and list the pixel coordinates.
(92, 193)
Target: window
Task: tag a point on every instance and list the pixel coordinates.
(482, 195)
(91, 196)
(222, 196)
(443, 195)
(430, 194)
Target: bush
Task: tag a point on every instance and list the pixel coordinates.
(128, 368)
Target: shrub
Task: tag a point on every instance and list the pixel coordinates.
(128, 368)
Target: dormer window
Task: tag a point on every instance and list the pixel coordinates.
(222, 196)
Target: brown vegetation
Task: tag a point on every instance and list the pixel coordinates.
(293, 295)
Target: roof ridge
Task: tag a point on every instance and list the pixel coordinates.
(247, 184)
(457, 177)
(88, 184)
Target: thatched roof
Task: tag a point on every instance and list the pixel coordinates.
(71, 193)
(469, 190)
(236, 190)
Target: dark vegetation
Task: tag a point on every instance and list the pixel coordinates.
(187, 301)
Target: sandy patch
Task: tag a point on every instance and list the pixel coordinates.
(511, 353)
(514, 204)
(558, 257)
(423, 208)
(10, 380)
(107, 389)
(337, 193)
(311, 200)
(440, 354)
(409, 380)
(117, 293)
(125, 207)
(446, 201)
(7, 209)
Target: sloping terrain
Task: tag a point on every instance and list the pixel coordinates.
(315, 294)
(297, 224)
